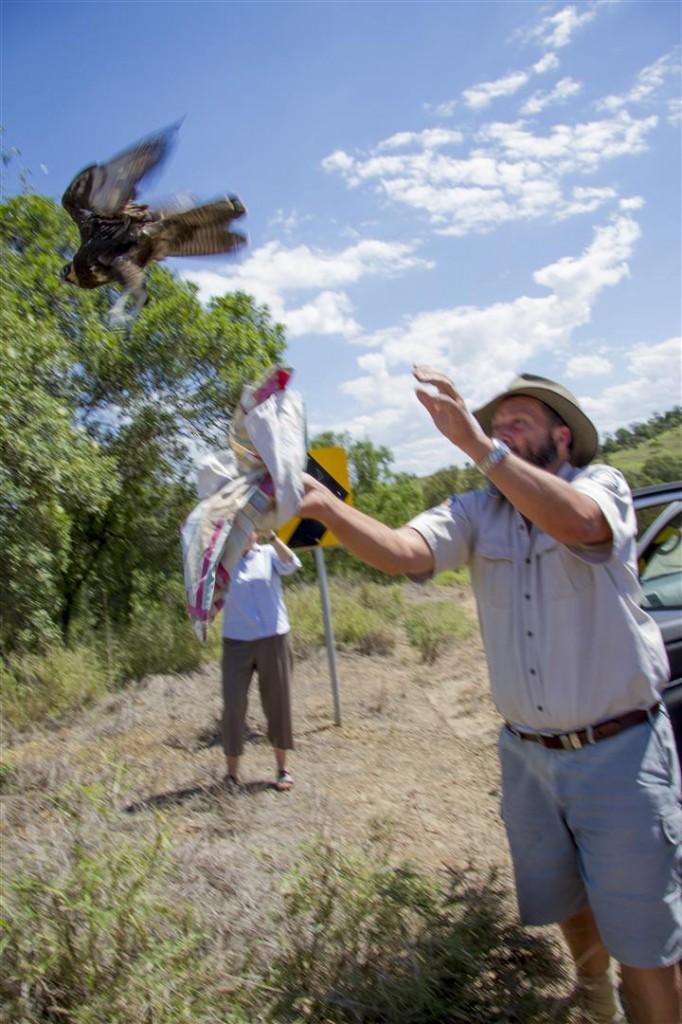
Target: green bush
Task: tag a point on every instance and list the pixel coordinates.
(363, 616)
(39, 687)
(359, 626)
(370, 942)
(453, 578)
(305, 615)
(434, 627)
(89, 938)
(386, 599)
(158, 641)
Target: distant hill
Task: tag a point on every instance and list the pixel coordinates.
(647, 459)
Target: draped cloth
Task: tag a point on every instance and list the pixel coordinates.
(255, 484)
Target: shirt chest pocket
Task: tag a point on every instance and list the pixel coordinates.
(493, 575)
(562, 574)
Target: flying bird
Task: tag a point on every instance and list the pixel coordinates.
(120, 237)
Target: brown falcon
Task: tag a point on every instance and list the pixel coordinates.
(120, 236)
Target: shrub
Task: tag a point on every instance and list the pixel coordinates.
(435, 627)
(363, 617)
(92, 940)
(35, 687)
(367, 941)
(305, 614)
(364, 627)
(453, 578)
(158, 640)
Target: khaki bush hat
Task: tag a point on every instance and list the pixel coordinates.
(557, 397)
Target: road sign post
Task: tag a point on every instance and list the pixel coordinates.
(330, 467)
(328, 632)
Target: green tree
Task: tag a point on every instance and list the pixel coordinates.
(393, 498)
(99, 427)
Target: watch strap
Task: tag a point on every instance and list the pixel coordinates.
(499, 452)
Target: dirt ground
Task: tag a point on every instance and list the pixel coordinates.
(415, 756)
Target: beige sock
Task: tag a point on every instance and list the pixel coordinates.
(598, 996)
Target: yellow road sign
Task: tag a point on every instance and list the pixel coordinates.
(330, 467)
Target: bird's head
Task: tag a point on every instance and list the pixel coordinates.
(67, 275)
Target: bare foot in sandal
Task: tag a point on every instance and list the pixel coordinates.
(284, 780)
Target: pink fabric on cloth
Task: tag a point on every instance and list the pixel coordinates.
(254, 486)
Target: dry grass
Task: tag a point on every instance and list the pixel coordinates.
(385, 870)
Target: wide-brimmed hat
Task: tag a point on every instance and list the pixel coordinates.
(557, 397)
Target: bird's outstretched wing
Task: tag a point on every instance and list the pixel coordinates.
(202, 231)
(106, 188)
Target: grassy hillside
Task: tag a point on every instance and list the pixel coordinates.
(631, 461)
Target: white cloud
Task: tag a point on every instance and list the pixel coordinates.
(430, 138)
(562, 91)
(444, 109)
(506, 172)
(476, 97)
(482, 348)
(479, 96)
(338, 161)
(288, 222)
(550, 62)
(328, 313)
(580, 147)
(632, 203)
(556, 30)
(275, 268)
(587, 366)
(649, 81)
(585, 200)
(654, 385)
(674, 106)
(273, 272)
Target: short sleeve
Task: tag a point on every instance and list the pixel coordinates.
(448, 531)
(609, 489)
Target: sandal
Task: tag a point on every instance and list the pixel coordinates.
(232, 783)
(284, 780)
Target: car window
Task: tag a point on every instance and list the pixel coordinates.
(660, 566)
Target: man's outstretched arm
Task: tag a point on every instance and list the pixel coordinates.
(402, 550)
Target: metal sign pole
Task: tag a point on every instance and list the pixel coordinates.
(328, 631)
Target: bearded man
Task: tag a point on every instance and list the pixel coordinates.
(591, 795)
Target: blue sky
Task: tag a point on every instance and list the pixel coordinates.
(485, 187)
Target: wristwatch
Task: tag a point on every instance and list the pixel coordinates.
(500, 451)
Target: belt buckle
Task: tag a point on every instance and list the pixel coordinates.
(571, 741)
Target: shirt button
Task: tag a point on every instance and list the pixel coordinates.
(540, 707)
(527, 597)
(532, 671)
(529, 633)
(528, 561)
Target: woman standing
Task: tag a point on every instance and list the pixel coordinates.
(256, 636)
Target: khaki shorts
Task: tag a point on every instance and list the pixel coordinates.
(600, 826)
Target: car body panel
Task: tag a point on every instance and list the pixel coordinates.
(659, 554)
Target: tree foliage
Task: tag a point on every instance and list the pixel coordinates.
(630, 437)
(98, 427)
(393, 498)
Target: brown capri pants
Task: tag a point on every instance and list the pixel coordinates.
(272, 658)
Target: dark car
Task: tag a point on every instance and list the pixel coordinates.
(659, 551)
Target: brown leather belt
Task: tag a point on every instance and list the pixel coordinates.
(594, 733)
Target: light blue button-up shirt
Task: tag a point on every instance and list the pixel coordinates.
(567, 642)
(254, 606)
